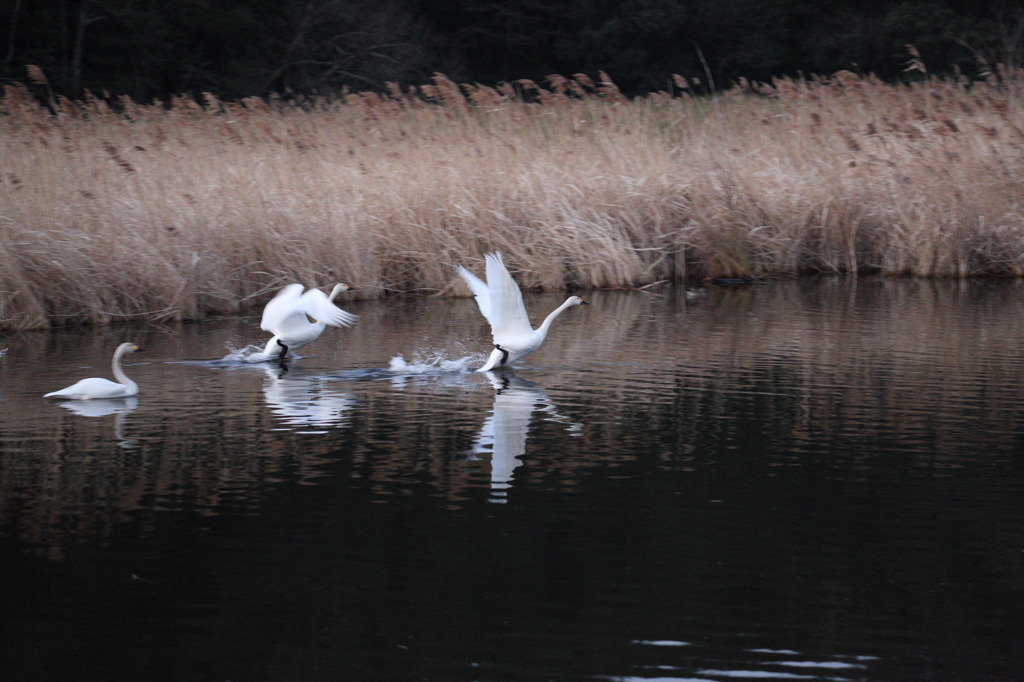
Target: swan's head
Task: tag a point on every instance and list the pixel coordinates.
(128, 348)
(576, 300)
(340, 287)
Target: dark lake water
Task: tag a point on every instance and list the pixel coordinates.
(818, 480)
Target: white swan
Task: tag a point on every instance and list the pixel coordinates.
(501, 303)
(95, 387)
(285, 316)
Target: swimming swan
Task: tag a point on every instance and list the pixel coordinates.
(95, 387)
(501, 303)
(285, 316)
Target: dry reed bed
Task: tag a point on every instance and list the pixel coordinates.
(120, 210)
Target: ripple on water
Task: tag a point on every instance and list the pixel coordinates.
(809, 462)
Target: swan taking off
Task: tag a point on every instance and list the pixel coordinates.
(287, 315)
(501, 303)
(95, 387)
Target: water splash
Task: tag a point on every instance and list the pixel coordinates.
(248, 355)
(433, 362)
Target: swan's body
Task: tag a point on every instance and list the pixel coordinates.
(287, 315)
(501, 303)
(95, 387)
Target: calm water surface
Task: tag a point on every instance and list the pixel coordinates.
(802, 480)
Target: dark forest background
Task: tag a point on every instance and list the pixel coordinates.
(154, 48)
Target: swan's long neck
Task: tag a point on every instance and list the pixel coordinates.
(338, 288)
(118, 372)
(546, 324)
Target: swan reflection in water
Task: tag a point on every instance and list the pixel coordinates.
(103, 407)
(504, 432)
(304, 399)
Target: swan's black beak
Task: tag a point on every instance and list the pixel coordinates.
(582, 302)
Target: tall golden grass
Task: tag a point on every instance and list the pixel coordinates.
(112, 209)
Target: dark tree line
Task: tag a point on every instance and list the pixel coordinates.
(153, 48)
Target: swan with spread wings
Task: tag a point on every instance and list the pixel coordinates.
(501, 303)
(287, 317)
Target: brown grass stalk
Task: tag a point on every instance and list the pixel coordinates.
(113, 209)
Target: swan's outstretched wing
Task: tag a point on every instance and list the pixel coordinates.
(316, 304)
(281, 307)
(480, 292)
(289, 309)
(508, 314)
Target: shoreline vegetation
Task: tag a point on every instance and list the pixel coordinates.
(113, 210)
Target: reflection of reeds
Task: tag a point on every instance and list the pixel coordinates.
(117, 209)
(839, 366)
